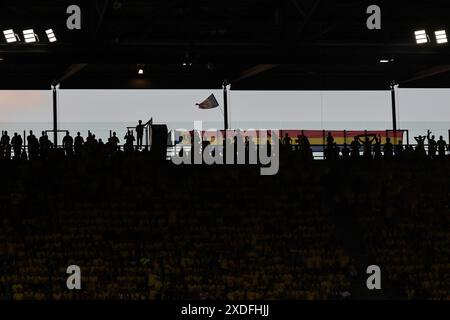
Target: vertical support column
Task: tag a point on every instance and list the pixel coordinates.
(225, 104)
(55, 117)
(394, 108)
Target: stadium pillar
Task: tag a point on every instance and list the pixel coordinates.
(55, 117)
(225, 104)
(394, 109)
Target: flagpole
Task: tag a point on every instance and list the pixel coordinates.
(225, 104)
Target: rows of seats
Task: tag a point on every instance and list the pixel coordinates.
(144, 230)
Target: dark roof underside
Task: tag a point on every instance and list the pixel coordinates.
(255, 44)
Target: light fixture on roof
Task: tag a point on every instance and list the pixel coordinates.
(29, 36)
(10, 36)
(51, 35)
(441, 36)
(140, 69)
(421, 37)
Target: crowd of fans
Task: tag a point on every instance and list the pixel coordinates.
(142, 229)
(364, 146)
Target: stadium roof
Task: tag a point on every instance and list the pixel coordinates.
(255, 44)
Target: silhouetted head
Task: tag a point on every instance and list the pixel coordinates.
(433, 137)
(15, 134)
(329, 134)
(6, 133)
(140, 121)
(114, 134)
(78, 134)
(43, 133)
(31, 132)
(400, 142)
(67, 133)
(441, 138)
(388, 140)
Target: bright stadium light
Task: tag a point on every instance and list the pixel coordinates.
(51, 35)
(10, 36)
(29, 36)
(421, 37)
(141, 71)
(441, 36)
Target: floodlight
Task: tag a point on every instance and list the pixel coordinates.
(29, 36)
(441, 36)
(51, 35)
(141, 71)
(421, 37)
(10, 36)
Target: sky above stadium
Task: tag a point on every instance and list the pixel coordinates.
(167, 106)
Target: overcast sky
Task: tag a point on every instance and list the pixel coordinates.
(255, 106)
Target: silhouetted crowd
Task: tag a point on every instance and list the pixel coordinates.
(144, 229)
(370, 147)
(362, 147)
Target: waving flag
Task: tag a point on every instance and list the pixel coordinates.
(209, 103)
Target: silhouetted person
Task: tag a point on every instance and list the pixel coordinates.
(287, 143)
(442, 146)
(16, 143)
(388, 148)
(354, 146)
(115, 142)
(78, 144)
(377, 148)
(304, 147)
(139, 134)
(44, 145)
(367, 143)
(432, 145)
(68, 144)
(330, 140)
(420, 148)
(129, 142)
(100, 146)
(33, 146)
(5, 139)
